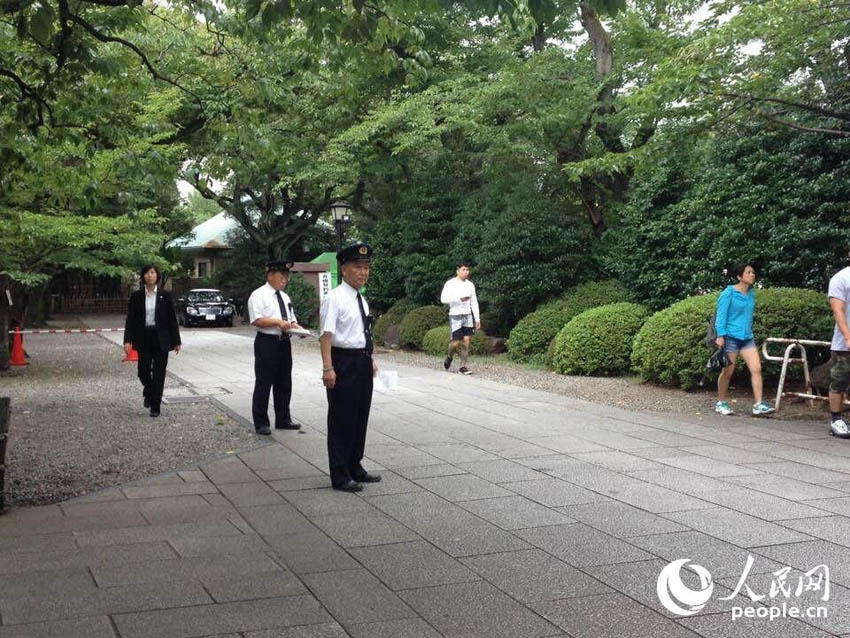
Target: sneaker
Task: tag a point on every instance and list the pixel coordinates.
(447, 363)
(839, 428)
(761, 408)
(464, 370)
(723, 407)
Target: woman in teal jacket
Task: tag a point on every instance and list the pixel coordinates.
(734, 324)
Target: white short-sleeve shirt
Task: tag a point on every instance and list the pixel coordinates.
(263, 303)
(340, 316)
(839, 288)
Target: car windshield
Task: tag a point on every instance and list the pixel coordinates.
(205, 296)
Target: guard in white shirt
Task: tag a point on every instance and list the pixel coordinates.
(347, 369)
(270, 311)
(459, 294)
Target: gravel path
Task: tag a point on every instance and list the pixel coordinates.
(78, 424)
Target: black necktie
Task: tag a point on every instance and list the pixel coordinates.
(283, 314)
(367, 328)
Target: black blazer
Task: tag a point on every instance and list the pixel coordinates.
(164, 317)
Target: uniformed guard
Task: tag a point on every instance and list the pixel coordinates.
(348, 368)
(270, 311)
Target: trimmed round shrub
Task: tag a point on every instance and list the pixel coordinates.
(532, 335)
(419, 321)
(670, 348)
(436, 342)
(392, 317)
(599, 340)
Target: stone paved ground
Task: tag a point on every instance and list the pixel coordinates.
(503, 512)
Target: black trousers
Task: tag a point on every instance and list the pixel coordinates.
(272, 371)
(349, 403)
(152, 363)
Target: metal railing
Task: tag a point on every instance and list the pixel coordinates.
(787, 359)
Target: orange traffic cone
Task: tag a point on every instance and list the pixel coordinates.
(18, 356)
(133, 356)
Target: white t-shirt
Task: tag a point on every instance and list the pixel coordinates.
(453, 291)
(263, 303)
(340, 316)
(839, 288)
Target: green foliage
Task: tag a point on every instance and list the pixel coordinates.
(531, 336)
(670, 347)
(419, 321)
(599, 340)
(777, 198)
(436, 342)
(305, 300)
(392, 317)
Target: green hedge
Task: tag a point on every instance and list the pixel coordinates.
(599, 340)
(305, 300)
(392, 317)
(670, 347)
(436, 342)
(419, 321)
(532, 335)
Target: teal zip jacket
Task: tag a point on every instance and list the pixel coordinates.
(734, 317)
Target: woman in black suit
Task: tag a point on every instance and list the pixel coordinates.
(151, 327)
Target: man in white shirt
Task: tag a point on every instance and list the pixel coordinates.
(347, 369)
(839, 373)
(270, 311)
(459, 294)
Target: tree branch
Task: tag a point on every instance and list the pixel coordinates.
(839, 115)
(827, 131)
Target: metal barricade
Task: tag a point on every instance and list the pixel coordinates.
(786, 359)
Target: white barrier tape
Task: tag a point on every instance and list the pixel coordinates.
(66, 331)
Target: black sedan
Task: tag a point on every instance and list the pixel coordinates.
(205, 306)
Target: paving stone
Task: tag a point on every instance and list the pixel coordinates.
(406, 627)
(805, 556)
(400, 456)
(206, 620)
(771, 508)
(219, 545)
(476, 609)
(357, 529)
(801, 472)
(620, 519)
(46, 582)
(515, 512)
(149, 534)
(324, 502)
(193, 476)
(310, 552)
(720, 626)
(501, 471)
(709, 466)
(427, 471)
(835, 505)
(717, 556)
(531, 575)
(62, 605)
(457, 452)
(65, 524)
(37, 543)
(94, 556)
(241, 494)
(737, 528)
(656, 499)
(276, 519)
(412, 565)
(205, 513)
(449, 527)
(685, 482)
(553, 492)
(94, 627)
(324, 630)
(299, 483)
(609, 615)
(566, 444)
(579, 545)
(270, 584)
(618, 461)
(356, 596)
(229, 470)
(730, 453)
(181, 489)
(196, 568)
(464, 487)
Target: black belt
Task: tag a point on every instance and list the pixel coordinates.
(349, 351)
(280, 337)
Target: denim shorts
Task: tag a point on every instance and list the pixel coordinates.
(733, 344)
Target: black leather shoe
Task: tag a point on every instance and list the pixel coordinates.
(289, 425)
(264, 430)
(154, 412)
(369, 478)
(349, 486)
(147, 402)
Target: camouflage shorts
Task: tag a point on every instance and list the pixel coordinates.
(839, 374)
